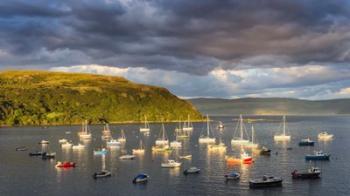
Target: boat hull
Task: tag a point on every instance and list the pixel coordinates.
(268, 184)
(317, 158)
(306, 143)
(305, 175)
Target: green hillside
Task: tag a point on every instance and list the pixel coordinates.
(271, 106)
(45, 98)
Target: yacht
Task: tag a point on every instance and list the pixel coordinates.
(206, 139)
(240, 140)
(283, 136)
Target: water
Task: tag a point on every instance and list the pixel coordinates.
(24, 175)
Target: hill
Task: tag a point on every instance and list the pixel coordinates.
(44, 98)
(271, 106)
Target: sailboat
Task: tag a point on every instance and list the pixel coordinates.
(179, 128)
(240, 140)
(188, 125)
(84, 133)
(252, 144)
(162, 140)
(139, 150)
(122, 138)
(146, 127)
(207, 139)
(283, 136)
(106, 133)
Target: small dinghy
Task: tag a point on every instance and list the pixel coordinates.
(171, 164)
(192, 170)
(140, 178)
(102, 174)
(306, 142)
(44, 142)
(265, 151)
(265, 182)
(317, 156)
(103, 151)
(36, 153)
(65, 164)
(127, 157)
(21, 148)
(47, 155)
(311, 173)
(232, 176)
(185, 157)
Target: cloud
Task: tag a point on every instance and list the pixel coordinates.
(310, 82)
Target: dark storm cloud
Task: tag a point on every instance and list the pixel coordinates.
(182, 35)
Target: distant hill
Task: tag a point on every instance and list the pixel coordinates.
(41, 98)
(271, 106)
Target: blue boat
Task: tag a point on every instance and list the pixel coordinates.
(103, 151)
(233, 176)
(317, 156)
(306, 142)
(140, 178)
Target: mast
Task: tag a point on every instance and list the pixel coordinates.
(253, 134)
(207, 126)
(145, 122)
(241, 126)
(163, 131)
(284, 125)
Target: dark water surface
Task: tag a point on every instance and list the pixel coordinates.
(24, 175)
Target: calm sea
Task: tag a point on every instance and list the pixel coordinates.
(24, 175)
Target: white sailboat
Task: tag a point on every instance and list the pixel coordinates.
(84, 133)
(146, 127)
(207, 139)
(139, 150)
(122, 138)
(162, 140)
(188, 125)
(178, 128)
(240, 140)
(106, 133)
(283, 136)
(252, 143)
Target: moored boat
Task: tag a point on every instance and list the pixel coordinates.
(232, 176)
(265, 182)
(127, 157)
(185, 157)
(62, 141)
(162, 140)
(66, 145)
(140, 178)
(145, 128)
(311, 173)
(84, 132)
(192, 170)
(36, 153)
(207, 139)
(103, 151)
(283, 136)
(175, 144)
(324, 136)
(240, 140)
(113, 143)
(44, 142)
(306, 142)
(171, 164)
(102, 174)
(47, 155)
(65, 164)
(317, 156)
(21, 148)
(122, 138)
(187, 125)
(139, 150)
(265, 151)
(78, 147)
(217, 147)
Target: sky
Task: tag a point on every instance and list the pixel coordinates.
(207, 48)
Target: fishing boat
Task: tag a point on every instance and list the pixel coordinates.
(192, 170)
(84, 132)
(113, 143)
(312, 173)
(317, 156)
(127, 157)
(43, 142)
(283, 136)
(240, 140)
(102, 174)
(232, 176)
(265, 151)
(306, 142)
(175, 144)
(47, 155)
(252, 143)
(62, 141)
(21, 148)
(140, 178)
(188, 125)
(67, 145)
(36, 153)
(139, 150)
(207, 139)
(162, 140)
(171, 164)
(122, 138)
(324, 136)
(246, 158)
(106, 132)
(217, 147)
(265, 182)
(78, 147)
(146, 127)
(103, 151)
(65, 164)
(185, 157)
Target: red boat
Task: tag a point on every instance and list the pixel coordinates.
(65, 164)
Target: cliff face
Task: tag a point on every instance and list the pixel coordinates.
(40, 98)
